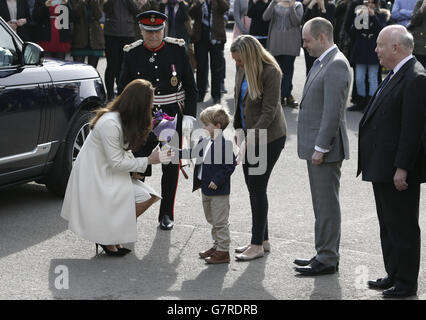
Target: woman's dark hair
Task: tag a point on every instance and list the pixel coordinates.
(134, 105)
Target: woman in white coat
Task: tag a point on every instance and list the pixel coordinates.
(103, 200)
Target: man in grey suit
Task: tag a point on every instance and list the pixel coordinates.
(322, 140)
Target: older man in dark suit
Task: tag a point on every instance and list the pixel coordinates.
(391, 156)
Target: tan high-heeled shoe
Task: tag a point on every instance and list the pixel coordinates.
(266, 247)
(246, 256)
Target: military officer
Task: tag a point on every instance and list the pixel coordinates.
(165, 63)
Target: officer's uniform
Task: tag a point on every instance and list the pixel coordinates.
(168, 69)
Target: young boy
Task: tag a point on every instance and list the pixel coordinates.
(214, 166)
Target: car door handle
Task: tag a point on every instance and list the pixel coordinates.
(2, 87)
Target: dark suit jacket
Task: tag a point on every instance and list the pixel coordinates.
(182, 15)
(120, 16)
(392, 128)
(22, 12)
(219, 8)
(217, 166)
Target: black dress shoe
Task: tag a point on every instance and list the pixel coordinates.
(316, 268)
(110, 253)
(381, 284)
(166, 223)
(396, 292)
(303, 263)
(125, 250)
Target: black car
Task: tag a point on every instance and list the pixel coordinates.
(45, 106)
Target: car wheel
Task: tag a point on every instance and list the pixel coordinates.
(57, 179)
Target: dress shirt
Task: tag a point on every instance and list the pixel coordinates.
(320, 58)
(205, 151)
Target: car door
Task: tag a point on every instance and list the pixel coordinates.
(22, 112)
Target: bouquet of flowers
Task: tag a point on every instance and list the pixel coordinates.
(164, 126)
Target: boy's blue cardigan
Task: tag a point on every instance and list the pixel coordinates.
(217, 167)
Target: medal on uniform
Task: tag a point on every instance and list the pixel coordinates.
(174, 79)
(152, 59)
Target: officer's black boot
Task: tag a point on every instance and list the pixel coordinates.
(166, 223)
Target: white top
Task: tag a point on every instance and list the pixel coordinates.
(319, 149)
(205, 151)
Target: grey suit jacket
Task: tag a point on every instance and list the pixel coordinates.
(322, 120)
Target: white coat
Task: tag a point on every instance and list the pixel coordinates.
(99, 201)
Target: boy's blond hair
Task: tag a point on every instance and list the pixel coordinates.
(215, 115)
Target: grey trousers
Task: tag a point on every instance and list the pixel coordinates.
(216, 210)
(325, 184)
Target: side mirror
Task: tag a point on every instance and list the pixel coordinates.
(32, 54)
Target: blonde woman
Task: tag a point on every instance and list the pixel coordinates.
(257, 97)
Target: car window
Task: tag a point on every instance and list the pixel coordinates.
(8, 56)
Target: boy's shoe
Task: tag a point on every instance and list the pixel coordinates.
(207, 253)
(218, 257)
(291, 103)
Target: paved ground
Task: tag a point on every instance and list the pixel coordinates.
(37, 251)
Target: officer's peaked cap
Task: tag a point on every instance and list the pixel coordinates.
(152, 20)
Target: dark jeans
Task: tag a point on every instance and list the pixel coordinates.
(287, 67)
(91, 60)
(257, 186)
(114, 57)
(202, 50)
